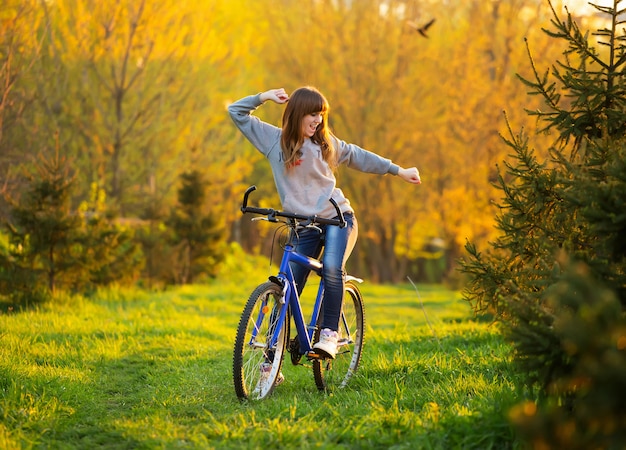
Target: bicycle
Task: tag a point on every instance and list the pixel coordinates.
(263, 333)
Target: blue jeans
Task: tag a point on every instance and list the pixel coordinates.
(337, 244)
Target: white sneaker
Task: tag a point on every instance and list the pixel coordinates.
(327, 344)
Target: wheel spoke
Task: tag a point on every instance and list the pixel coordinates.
(257, 327)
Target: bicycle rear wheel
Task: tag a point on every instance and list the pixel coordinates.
(335, 373)
(257, 363)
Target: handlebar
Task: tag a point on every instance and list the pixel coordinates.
(272, 214)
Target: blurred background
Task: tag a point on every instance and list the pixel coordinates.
(131, 95)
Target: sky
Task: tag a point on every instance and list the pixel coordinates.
(583, 7)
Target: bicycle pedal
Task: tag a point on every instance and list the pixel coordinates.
(312, 355)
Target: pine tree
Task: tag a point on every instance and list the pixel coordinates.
(108, 251)
(556, 276)
(41, 230)
(196, 235)
(55, 246)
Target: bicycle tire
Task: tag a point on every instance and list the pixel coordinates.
(335, 373)
(263, 307)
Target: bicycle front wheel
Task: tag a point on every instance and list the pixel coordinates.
(335, 373)
(257, 360)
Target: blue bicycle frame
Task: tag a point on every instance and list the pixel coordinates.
(290, 298)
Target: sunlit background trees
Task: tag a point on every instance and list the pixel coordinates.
(132, 94)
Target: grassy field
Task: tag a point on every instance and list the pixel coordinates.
(139, 370)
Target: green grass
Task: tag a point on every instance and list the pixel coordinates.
(131, 369)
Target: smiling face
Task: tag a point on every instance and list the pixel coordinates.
(306, 116)
(310, 122)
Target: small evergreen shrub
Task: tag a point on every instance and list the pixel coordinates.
(556, 275)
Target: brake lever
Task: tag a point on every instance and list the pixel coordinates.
(272, 219)
(308, 224)
(314, 227)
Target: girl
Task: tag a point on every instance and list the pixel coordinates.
(303, 155)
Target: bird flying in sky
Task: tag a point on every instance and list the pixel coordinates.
(421, 29)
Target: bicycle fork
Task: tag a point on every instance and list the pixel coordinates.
(278, 313)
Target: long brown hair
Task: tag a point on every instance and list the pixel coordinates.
(303, 101)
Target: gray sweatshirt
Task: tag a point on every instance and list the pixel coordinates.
(307, 187)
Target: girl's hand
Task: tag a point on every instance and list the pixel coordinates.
(276, 95)
(411, 175)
